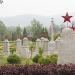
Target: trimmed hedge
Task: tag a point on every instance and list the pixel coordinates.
(51, 69)
(13, 59)
(48, 59)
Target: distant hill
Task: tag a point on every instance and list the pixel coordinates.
(24, 20)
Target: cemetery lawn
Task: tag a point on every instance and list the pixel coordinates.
(3, 60)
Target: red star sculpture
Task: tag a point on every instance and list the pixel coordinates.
(67, 17)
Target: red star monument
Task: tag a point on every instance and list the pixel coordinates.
(67, 17)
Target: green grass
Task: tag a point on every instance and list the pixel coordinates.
(3, 60)
(26, 61)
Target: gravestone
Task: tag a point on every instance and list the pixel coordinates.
(51, 46)
(6, 49)
(58, 45)
(25, 42)
(18, 46)
(25, 52)
(66, 54)
(38, 44)
(44, 43)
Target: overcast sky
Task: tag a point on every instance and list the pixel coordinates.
(36, 7)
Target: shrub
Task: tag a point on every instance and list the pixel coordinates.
(45, 60)
(40, 60)
(35, 58)
(54, 58)
(12, 51)
(28, 61)
(40, 51)
(13, 59)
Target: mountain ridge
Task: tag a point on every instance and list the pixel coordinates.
(24, 20)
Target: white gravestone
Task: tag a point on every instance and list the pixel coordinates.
(18, 46)
(66, 54)
(6, 50)
(25, 42)
(58, 43)
(25, 48)
(38, 44)
(51, 47)
(44, 43)
(25, 52)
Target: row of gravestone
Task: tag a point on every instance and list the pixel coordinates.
(23, 49)
(65, 46)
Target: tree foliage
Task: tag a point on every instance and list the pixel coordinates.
(36, 29)
(3, 30)
(18, 31)
(33, 31)
(24, 32)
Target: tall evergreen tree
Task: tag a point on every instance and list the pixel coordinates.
(36, 28)
(24, 32)
(18, 32)
(3, 30)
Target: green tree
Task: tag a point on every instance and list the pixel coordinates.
(13, 36)
(24, 32)
(18, 31)
(36, 29)
(3, 30)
